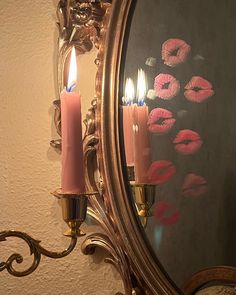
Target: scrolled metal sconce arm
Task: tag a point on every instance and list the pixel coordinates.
(35, 249)
(74, 208)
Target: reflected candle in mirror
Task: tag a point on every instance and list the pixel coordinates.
(72, 180)
(128, 122)
(142, 159)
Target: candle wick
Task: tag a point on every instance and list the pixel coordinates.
(127, 102)
(71, 88)
(140, 102)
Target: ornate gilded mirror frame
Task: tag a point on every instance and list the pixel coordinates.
(149, 275)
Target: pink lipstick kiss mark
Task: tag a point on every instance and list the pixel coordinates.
(166, 86)
(166, 214)
(194, 185)
(187, 142)
(160, 121)
(198, 89)
(161, 171)
(174, 52)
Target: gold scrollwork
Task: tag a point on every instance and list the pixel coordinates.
(80, 25)
(35, 249)
(100, 208)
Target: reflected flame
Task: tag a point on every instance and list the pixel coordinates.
(141, 87)
(129, 91)
(72, 71)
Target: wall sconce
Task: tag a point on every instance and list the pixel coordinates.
(77, 23)
(82, 24)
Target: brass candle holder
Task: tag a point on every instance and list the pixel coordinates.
(144, 195)
(74, 208)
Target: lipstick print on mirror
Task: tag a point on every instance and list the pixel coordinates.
(187, 142)
(175, 52)
(160, 121)
(198, 89)
(194, 185)
(166, 214)
(161, 171)
(166, 86)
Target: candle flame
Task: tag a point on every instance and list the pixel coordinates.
(72, 71)
(129, 91)
(141, 87)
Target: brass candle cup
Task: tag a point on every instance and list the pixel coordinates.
(74, 209)
(144, 195)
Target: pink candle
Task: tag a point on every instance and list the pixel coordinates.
(142, 158)
(72, 180)
(128, 122)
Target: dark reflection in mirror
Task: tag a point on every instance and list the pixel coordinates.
(180, 132)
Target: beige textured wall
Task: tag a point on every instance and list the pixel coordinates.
(29, 168)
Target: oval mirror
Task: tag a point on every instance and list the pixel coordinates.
(173, 64)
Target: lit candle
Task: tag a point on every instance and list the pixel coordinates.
(128, 122)
(142, 159)
(72, 180)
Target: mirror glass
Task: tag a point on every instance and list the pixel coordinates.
(178, 105)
